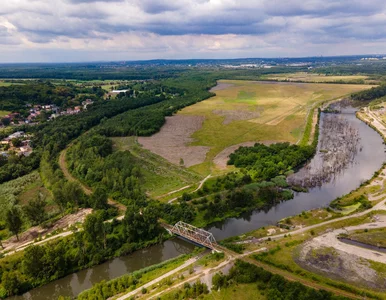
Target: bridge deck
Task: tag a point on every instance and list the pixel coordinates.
(196, 238)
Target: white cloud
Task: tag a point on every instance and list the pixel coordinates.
(73, 30)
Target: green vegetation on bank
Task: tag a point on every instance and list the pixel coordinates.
(98, 242)
(371, 94)
(267, 286)
(104, 290)
(28, 193)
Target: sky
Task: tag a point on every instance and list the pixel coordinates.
(114, 30)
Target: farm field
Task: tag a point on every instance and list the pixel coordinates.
(241, 112)
(312, 77)
(160, 176)
(2, 83)
(107, 85)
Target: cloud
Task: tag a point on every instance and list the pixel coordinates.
(136, 29)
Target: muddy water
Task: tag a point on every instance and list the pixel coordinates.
(74, 284)
(366, 162)
(363, 245)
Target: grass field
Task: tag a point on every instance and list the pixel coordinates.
(376, 237)
(160, 176)
(2, 83)
(22, 190)
(240, 291)
(3, 113)
(312, 77)
(245, 111)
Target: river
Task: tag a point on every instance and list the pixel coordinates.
(366, 162)
(74, 284)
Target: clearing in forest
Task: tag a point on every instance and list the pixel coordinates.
(161, 178)
(241, 111)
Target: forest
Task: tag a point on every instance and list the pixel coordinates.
(16, 96)
(265, 162)
(371, 94)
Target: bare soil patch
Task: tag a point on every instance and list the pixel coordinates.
(172, 142)
(339, 265)
(221, 86)
(37, 231)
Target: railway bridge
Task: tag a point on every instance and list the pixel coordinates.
(196, 235)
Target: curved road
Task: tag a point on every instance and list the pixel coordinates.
(86, 189)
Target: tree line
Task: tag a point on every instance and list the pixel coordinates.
(98, 242)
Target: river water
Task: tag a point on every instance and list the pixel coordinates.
(367, 161)
(74, 284)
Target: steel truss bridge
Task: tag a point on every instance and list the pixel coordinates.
(194, 234)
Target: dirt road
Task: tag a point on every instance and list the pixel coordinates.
(330, 240)
(87, 190)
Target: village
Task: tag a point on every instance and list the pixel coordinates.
(19, 142)
(37, 113)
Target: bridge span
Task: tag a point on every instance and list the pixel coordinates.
(194, 234)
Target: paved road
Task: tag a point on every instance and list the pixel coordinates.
(149, 284)
(380, 206)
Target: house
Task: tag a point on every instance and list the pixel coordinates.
(16, 135)
(86, 103)
(25, 149)
(12, 116)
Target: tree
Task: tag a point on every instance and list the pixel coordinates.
(10, 282)
(14, 220)
(73, 192)
(59, 197)
(16, 142)
(94, 229)
(33, 261)
(35, 211)
(99, 198)
(5, 121)
(141, 223)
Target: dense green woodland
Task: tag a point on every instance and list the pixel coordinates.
(371, 94)
(15, 97)
(265, 162)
